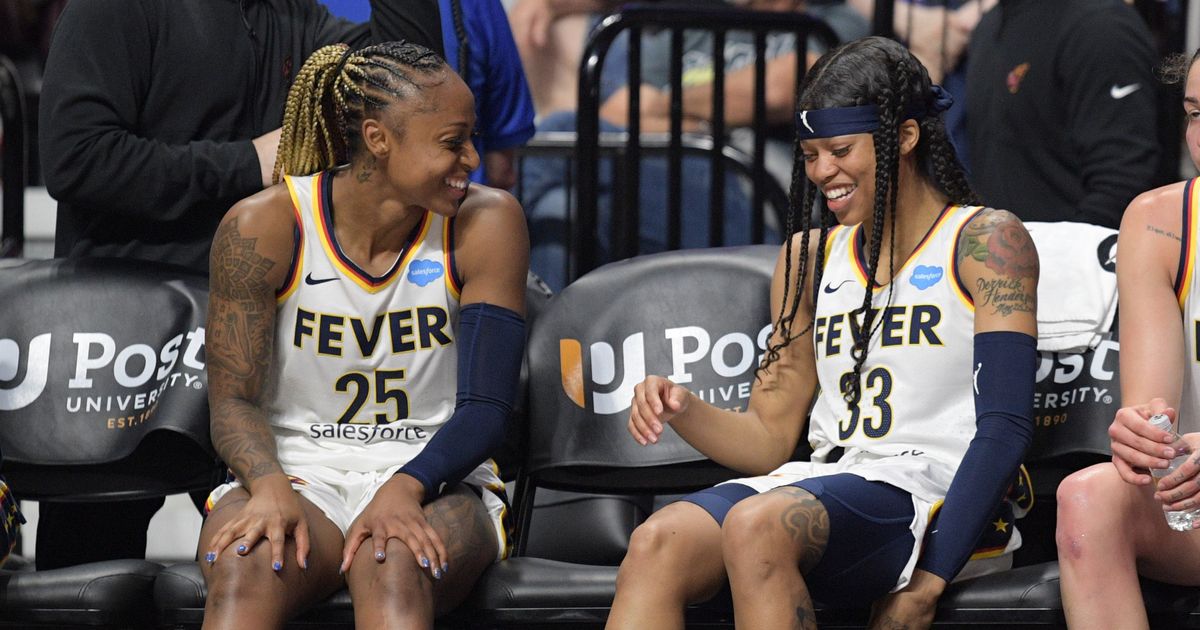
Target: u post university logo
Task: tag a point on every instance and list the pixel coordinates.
(719, 370)
(37, 369)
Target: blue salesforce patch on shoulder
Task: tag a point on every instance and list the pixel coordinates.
(422, 272)
(924, 277)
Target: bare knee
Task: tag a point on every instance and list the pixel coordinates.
(1093, 505)
(755, 539)
(235, 580)
(656, 545)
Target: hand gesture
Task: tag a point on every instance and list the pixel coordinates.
(1137, 446)
(656, 401)
(273, 512)
(395, 512)
(1172, 490)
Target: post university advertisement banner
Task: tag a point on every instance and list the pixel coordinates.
(698, 317)
(96, 354)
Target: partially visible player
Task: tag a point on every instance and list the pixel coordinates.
(365, 334)
(1111, 526)
(930, 405)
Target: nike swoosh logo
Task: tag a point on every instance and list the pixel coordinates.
(829, 288)
(1119, 92)
(315, 281)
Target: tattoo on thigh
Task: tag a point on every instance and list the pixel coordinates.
(807, 522)
(888, 623)
(464, 524)
(805, 620)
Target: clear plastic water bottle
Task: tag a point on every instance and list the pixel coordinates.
(1180, 520)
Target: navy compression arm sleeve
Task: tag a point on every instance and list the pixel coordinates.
(491, 343)
(1005, 366)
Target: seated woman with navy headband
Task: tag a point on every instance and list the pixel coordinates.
(929, 406)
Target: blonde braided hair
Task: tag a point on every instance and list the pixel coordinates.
(335, 90)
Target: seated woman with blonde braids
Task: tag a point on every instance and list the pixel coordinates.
(365, 335)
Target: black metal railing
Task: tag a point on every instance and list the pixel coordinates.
(14, 151)
(676, 19)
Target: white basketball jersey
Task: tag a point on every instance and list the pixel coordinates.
(1187, 288)
(364, 370)
(916, 414)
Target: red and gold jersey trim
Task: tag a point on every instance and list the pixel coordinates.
(1187, 251)
(960, 289)
(293, 275)
(322, 195)
(856, 254)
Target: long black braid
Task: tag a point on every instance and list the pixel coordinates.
(882, 72)
(464, 42)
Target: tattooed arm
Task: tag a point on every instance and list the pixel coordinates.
(1153, 345)
(250, 256)
(998, 262)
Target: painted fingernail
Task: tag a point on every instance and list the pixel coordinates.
(211, 557)
(241, 549)
(424, 562)
(379, 556)
(445, 567)
(304, 564)
(277, 566)
(437, 574)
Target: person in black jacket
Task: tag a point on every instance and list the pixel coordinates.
(1061, 109)
(156, 117)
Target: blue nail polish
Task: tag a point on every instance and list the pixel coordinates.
(241, 548)
(379, 556)
(304, 564)
(211, 557)
(277, 566)
(437, 574)
(425, 562)
(445, 567)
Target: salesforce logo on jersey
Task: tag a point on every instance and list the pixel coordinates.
(717, 365)
(422, 272)
(924, 276)
(102, 359)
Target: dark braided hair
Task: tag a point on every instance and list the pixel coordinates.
(464, 43)
(336, 90)
(879, 71)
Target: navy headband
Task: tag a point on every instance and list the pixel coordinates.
(844, 121)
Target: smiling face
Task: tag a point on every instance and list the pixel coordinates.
(843, 169)
(427, 153)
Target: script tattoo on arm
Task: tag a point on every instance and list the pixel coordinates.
(999, 241)
(1167, 233)
(241, 319)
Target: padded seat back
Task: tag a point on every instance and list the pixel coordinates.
(97, 356)
(699, 317)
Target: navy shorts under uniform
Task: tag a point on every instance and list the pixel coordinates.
(869, 538)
